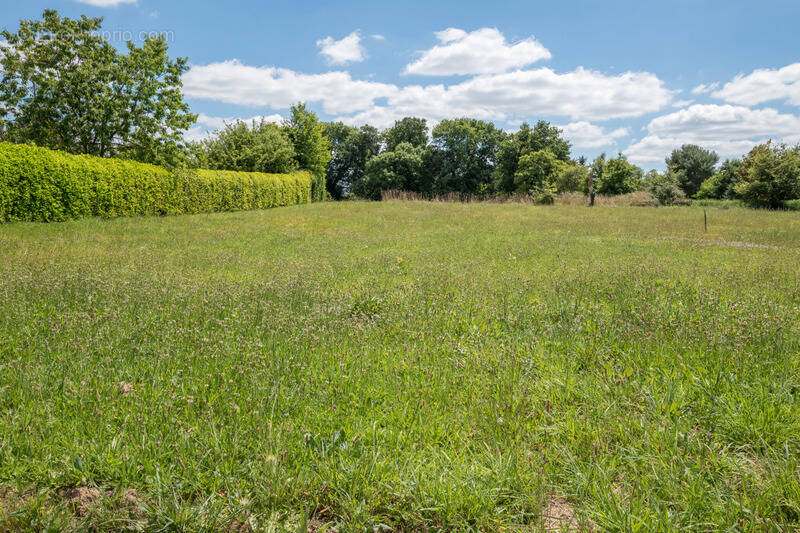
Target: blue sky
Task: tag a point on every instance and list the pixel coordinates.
(638, 77)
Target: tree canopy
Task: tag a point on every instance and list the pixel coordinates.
(692, 166)
(64, 87)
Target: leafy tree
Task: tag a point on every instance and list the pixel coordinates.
(692, 166)
(572, 177)
(770, 176)
(64, 87)
(595, 176)
(408, 130)
(464, 153)
(537, 171)
(401, 169)
(721, 185)
(311, 148)
(351, 148)
(527, 140)
(261, 147)
(664, 187)
(619, 177)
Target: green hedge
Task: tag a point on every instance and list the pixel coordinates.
(38, 184)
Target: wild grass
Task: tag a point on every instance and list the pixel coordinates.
(402, 366)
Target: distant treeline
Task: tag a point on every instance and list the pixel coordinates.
(65, 88)
(471, 157)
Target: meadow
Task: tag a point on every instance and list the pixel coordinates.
(402, 366)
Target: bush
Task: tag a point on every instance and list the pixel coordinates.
(664, 187)
(38, 184)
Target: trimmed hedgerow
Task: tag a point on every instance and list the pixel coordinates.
(38, 184)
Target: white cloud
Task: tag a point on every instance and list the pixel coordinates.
(581, 95)
(682, 103)
(587, 135)
(483, 51)
(763, 85)
(729, 130)
(378, 37)
(705, 88)
(343, 51)
(235, 83)
(106, 3)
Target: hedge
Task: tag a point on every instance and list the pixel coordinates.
(38, 184)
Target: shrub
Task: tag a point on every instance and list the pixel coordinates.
(38, 184)
(664, 187)
(619, 177)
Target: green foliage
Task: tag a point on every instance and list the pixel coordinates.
(402, 169)
(721, 185)
(413, 131)
(39, 184)
(464, 153)
(664, 186)
(312, 149)
(692, 166)
(261, 147)
(571, 178)
(537, 172)
(527, 140)
(769, 176)
(64, 87)
(351, 148)
(618, 176)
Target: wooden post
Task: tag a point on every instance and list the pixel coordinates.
(705, 221)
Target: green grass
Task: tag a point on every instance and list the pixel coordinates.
(403, 366)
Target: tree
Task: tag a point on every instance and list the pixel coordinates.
(261, 147)
(619, 177)
(537, 172)
(692, 166)
(663, 186)
(595, 176)
(351, 148)
(311, 148)
(401, 169)
(408, 130)
(721, 185)
(465, 153)
(527, 140)
(769, 176)
(572, 177)
(64, 87)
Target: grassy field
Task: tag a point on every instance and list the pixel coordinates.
(402, 366)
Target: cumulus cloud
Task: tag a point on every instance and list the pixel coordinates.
(580, 94)
(106, 3)
(587, 135)
(682, 103)
(705, 88)
(343, 51)
(727, 129)
(764, 85)
(483, 51)
(235, 83)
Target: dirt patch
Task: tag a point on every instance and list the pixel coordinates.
(82, 499)
(559, 515)
(126, 388)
